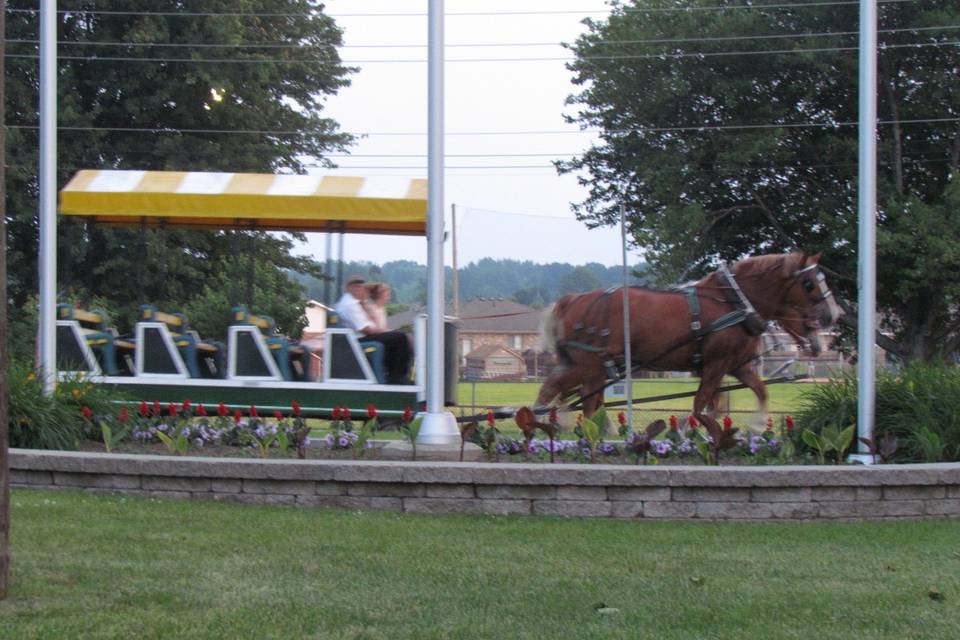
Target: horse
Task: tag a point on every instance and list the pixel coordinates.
(712, 327)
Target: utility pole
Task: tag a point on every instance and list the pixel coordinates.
(456, 274)
(4, 407)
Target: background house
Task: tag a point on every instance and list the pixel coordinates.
(495, 362)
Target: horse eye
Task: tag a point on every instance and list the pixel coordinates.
(808, 286)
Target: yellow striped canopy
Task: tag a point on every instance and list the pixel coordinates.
(382, 204)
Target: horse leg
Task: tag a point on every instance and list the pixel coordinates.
(592, 401)
(709, 382)
(747, 374)
(559, 382)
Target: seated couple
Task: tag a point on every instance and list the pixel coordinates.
(362, 309)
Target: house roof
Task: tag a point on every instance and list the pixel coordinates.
(487, 350)
(485, 315)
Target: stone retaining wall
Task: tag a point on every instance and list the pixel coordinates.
(617, 491)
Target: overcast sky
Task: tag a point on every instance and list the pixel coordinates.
(509, 205)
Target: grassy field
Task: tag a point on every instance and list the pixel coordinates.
(89, 566)
(783, 397)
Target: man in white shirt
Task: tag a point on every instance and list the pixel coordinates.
(396, 348)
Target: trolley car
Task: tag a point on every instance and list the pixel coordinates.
(166, 360)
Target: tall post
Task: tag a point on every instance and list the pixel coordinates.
(48, 194)
(438, 427)
(453, 255)
(327, 271)
(627, 355)
(866, 239)
(339, 265)
(4, 408)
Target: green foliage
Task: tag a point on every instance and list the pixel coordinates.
(38, 421)
(155, 115)
(919, 407)
(691, 144)
(830, 439)
(410, 430)
(177, 441)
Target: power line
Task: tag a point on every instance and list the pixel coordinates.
(201, 45)
(698, 128)
(645, 56)
(315, 13)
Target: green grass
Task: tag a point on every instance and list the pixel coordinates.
(783, 397)
(106, 567)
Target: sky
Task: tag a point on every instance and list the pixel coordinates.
(510, 204)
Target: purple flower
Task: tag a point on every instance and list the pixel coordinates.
(343, 442)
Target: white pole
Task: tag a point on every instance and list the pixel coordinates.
(438, 427)
(627, 359)
(48, 195)
(867, 211)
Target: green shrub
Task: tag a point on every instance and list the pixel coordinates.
(920, 406)
(38, 421)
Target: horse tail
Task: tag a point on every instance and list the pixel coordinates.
(550, 325)
(548, 329)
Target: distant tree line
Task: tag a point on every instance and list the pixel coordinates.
(523, 281)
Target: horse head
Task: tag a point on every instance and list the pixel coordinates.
(808, 304)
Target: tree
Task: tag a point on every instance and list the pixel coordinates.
(580, 280)
(731, 132)
(160, 84)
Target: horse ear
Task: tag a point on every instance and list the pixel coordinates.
(815, 258)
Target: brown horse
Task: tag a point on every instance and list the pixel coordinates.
(712, 327)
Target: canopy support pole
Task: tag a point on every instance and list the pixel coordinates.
(48, 195)
(438, 427)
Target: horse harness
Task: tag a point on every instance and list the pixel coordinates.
(596, 339)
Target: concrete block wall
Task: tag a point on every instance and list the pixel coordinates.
(606, 491)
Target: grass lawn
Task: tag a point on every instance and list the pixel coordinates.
(88, 566)
(783, 397)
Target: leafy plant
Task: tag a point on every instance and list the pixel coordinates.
(363, 436)
(830, 439)
(411, 430)
(590, 430)
(884, 448)
(487, 437)
(641, 443)
(177, 441)
(717, 440)
(114, 435)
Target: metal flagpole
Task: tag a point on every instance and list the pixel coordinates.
(866, 240)
(627, 359)
(48, 194)
(438, 426)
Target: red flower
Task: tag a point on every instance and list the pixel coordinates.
(336, 413)
(144, 409)
(278, 415)
(87, 413)
(554, 418)
(371, 411)
(622, 418)
(692, 421)
(124, 415)
(172, 409)
(156, 407)
(407, 415)
(187, 404)
(296, 409)
(673, 423)
(727, 423)
(491, 419)
(253, 412)
(769, 423)
(201, 411)
(237, 416)
(222, 410)
(789, 422)
(344, 413)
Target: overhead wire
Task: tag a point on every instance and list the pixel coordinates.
(644, 56)
(275, 45)
(317, 13)
(698, 128)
